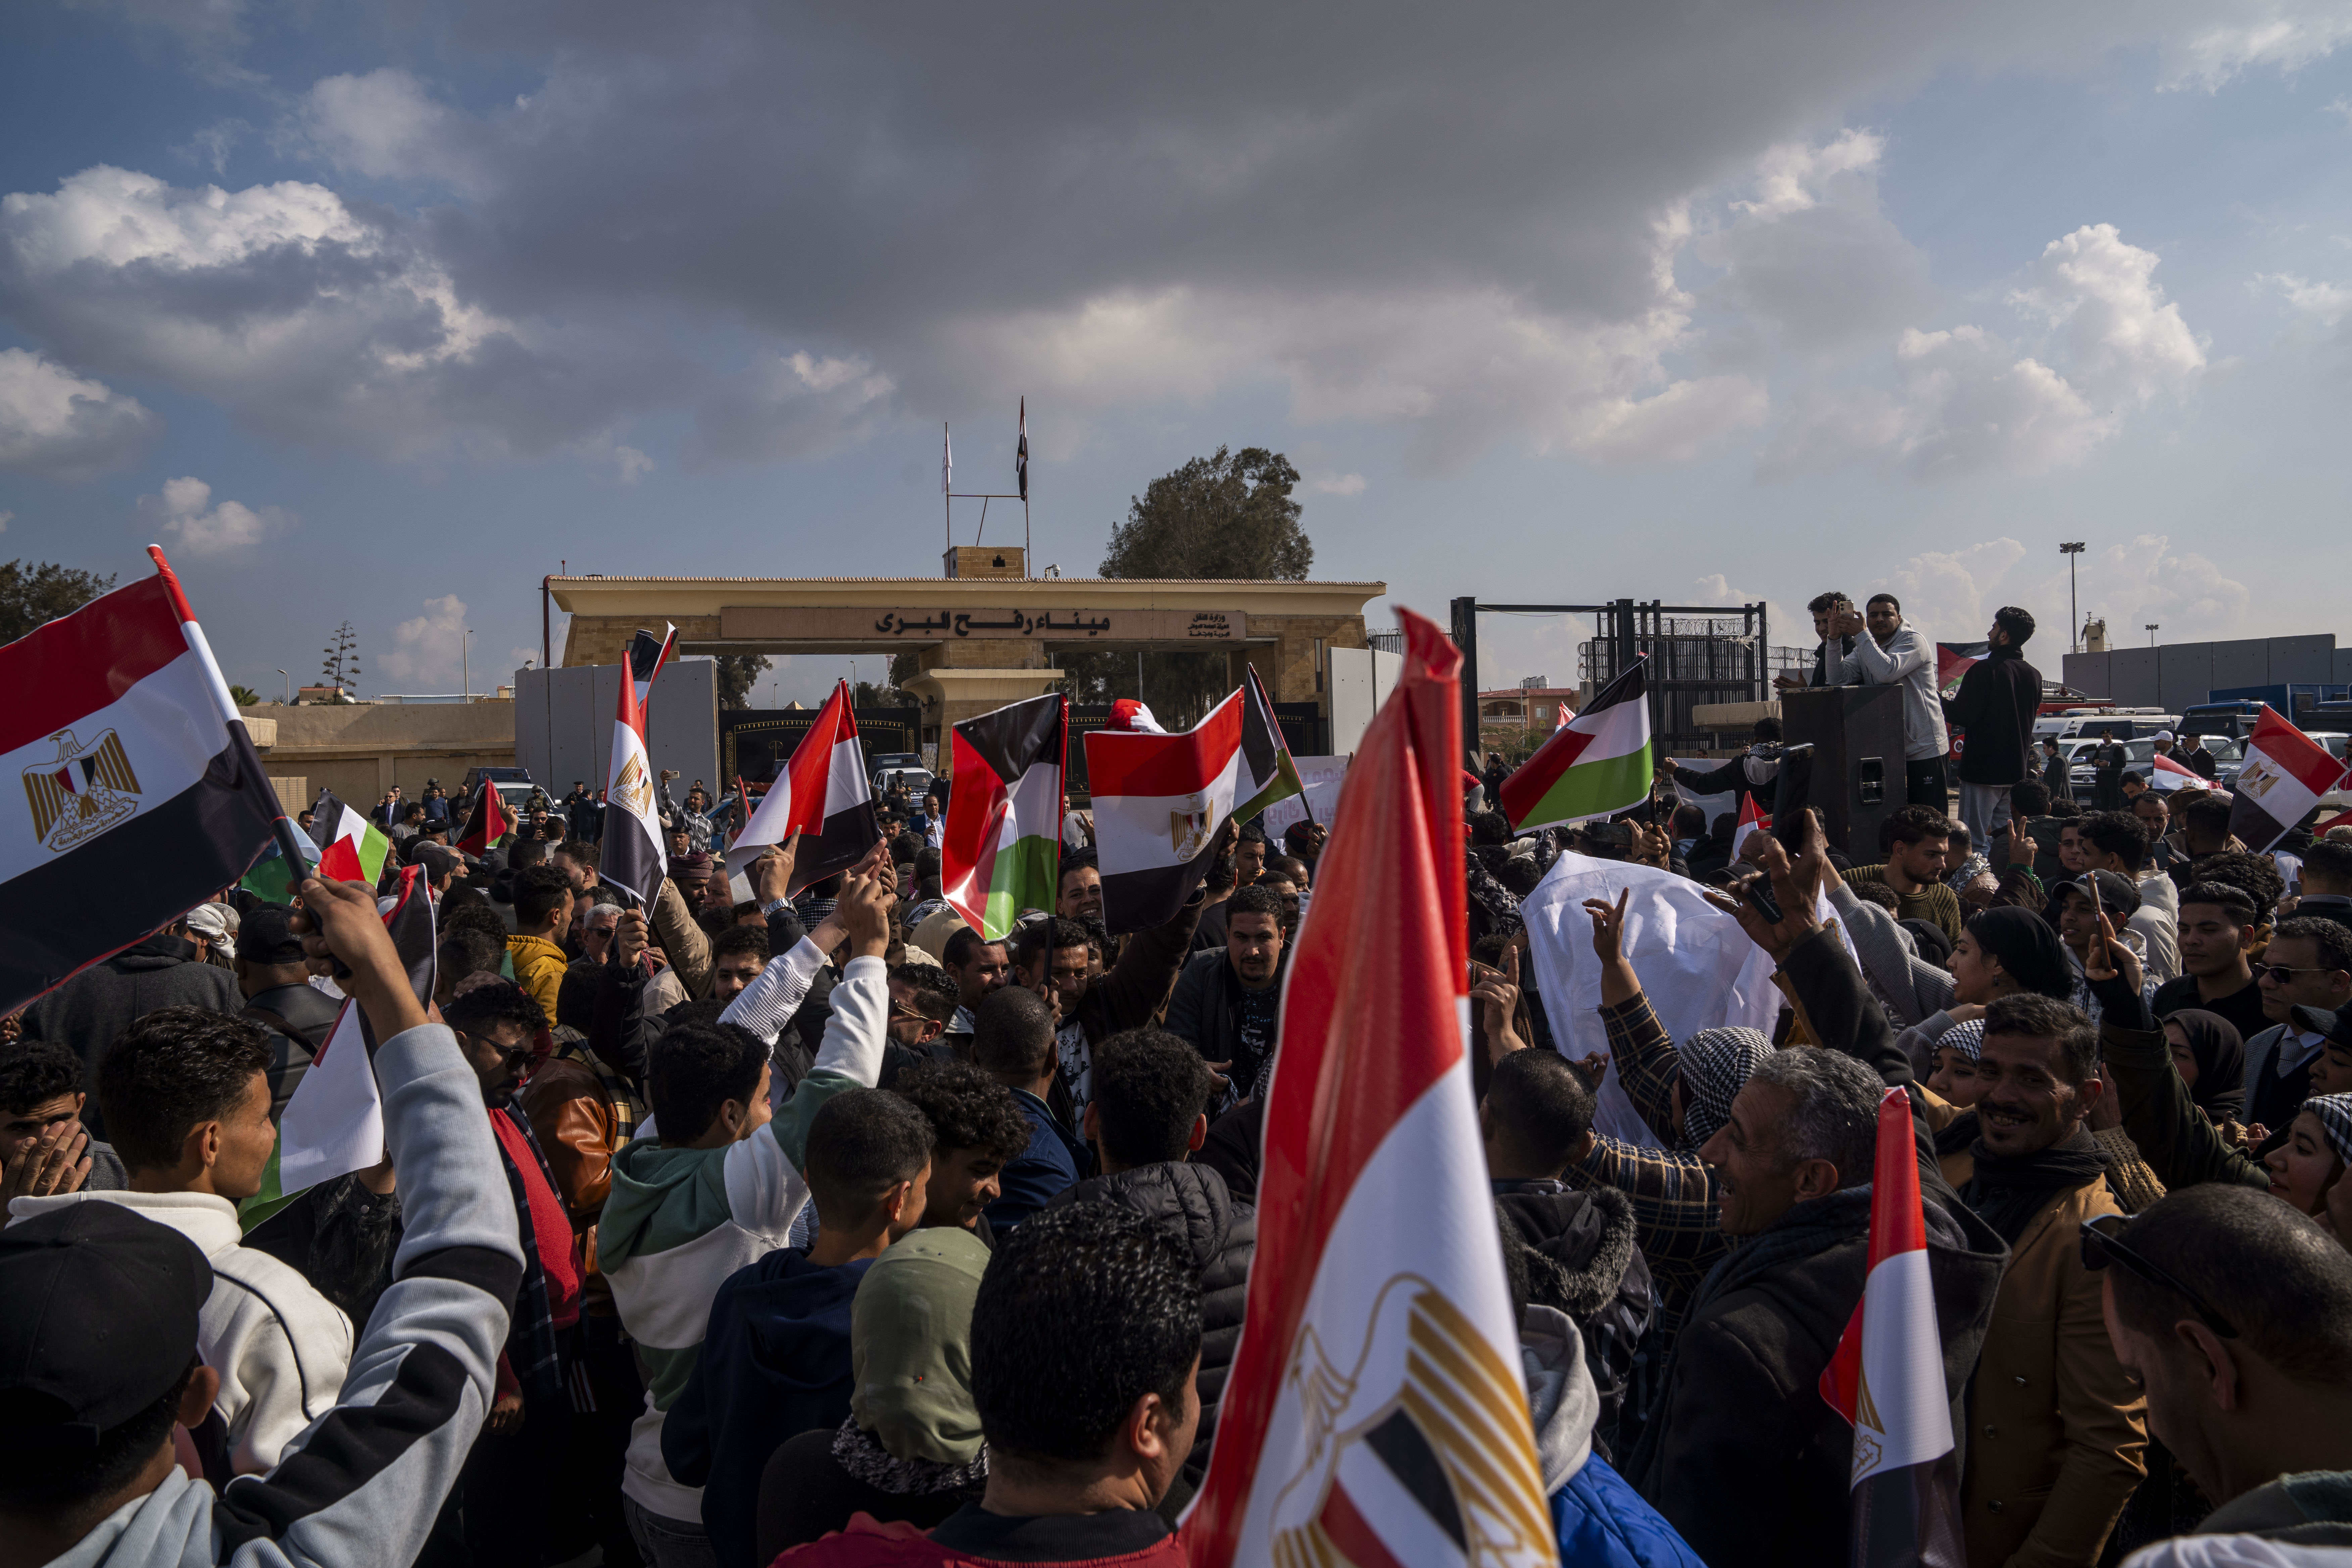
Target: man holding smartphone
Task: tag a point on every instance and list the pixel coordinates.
(1882, 648)
(1826, 609)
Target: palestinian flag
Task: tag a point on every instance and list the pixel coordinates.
(269, 878)
(823, 794)
(633, 858)
(141, 796)
(2283, 775)
(488, 820)
(350, 847)
(1599, 763)
(1002, 848)
(1376, 1412)
(1954, 660)
(1887, 1378)
(334, 1123)
(1264, 752)
(1160, 801)
(648, 654)
(2165, 775)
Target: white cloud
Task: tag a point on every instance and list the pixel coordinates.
(2283, 35)
(5, 519)
(2320, 302)
(2125, 343)
(1335, 485)
(55, 423)
(180, 512)
(792, 406)
(427, 652)
(384, 125)
(1953, 594)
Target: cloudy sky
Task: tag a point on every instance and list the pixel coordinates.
(381, 312)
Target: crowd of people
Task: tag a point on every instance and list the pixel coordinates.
(770, 1221)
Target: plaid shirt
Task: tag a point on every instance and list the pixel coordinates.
(1673, 1195)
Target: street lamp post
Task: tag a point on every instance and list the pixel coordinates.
(288, 700)
(466, 664)
(2073, 610)
(2150, 628)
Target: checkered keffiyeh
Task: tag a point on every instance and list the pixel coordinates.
(2335, 1113)
(1716, 1063)
(1966, 1039)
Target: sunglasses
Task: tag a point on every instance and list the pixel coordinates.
(2284, 973)
(2103, 1244)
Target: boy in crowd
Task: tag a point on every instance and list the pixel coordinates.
(44, 1149)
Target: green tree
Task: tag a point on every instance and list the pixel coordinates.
(1227, 516)
(738, 673)
(32, 593)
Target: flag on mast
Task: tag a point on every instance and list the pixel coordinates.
(139, 778)
(2283, 775)
(1376, 1413)
(634, 859)
(823, 794)
(947, 461)
(1001, 850)
(1264, 753)
(1888, 1376)
(1021, 452)
(1599, 763)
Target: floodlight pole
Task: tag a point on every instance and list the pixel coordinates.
(2073, 610)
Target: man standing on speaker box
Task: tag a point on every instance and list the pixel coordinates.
(1896, 653)
(1996, 705)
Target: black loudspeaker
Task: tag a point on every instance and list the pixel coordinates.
(1856, 734)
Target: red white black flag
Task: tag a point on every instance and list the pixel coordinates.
(2283, 775)
(634, 859)
(822, 794)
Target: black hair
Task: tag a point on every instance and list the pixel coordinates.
(907, 848)
(580, 852)
(2331, 860)
(526, 853)
(2209, 817)
(2131, 776)
(1490, 827)
(177, 1067)
(926, 865)
(1914, 822)
(1518, 874)
(52, 1481)
(2256, 876)
(2332, 940)
(479, 1012)
(1012, 1033)
(1540, 1109)
(2117, 833)
(935, 996)
(1253, 901)
(1252, 833)
(465, 950)
(32, 1071)
(2030, 1016)
(1033, 941)
(1883, 599)
(692, 1070)
(1082, 1311)
(1766, 729)
(1822, 604)
(1150, 1087)
(1689, 821)
(967, 1108)
(2276, 1275)
(1873, 891)
(960, 942)
(538, 889)
(735, 938)
(2029, 798)
(861, 1143)
(1221, 875)
(1076, 860)
(1298, 832)
(2017, 622)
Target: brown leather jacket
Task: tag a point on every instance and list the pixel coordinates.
(571, 1113)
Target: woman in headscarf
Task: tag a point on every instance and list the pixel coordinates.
(2210, 1056)
(911, 1448)
(2309, 1165)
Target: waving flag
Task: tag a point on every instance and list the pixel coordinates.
(2283, 775)
(488, 820)
(1376, 1413)
(824, 794)
(1021, 453)
(334, 1123)
(1264, 753)
(947, 461)
(2165, 775)
(142, 793)
(648, 654)
(1751, 820)
(1954, 660)
(1599, 763)
(269, 879)
(350, 847)
(1002, 848)
(1888, 1377)
(1161, 799)
(633, 859)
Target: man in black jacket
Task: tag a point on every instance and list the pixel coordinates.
(1228, 1001)
(1148, 1116)
(98, 1007)
(1996, 703)
(1741, 1454)
(1754, 771)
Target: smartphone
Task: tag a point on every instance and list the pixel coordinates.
(1792, 789)
(1481, 973)
(1758, 891)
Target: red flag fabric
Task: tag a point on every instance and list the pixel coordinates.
(1751, 820)
(822, 794)
(1379, 1324)
(488, 820)
(2283, 775)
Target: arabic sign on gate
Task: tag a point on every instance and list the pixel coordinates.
(763, 622)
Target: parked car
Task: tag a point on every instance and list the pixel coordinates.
(903, 767)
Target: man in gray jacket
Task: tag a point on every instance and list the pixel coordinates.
(1896, 653)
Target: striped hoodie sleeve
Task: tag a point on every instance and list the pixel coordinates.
(768, 1004)
(364, 1484)
(764, 1187)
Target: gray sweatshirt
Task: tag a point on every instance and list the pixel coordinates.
(1908, 659)
(361, 1487)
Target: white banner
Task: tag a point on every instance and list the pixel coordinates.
(1322, 776)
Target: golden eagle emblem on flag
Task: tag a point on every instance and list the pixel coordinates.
(1188, 829)
(631, 789)
(87, 790)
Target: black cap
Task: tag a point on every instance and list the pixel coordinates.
(267, 936)
(98, 1320)
(2336, 1023)
(2116, 893)
(437, 859)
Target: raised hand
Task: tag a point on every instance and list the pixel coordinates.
(338, 920)
(865, 914)
(1609, 927)
(630, 938)
(52, 1163)
(1497, 997)
(772, 873)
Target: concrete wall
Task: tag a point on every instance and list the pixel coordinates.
(563, 724)
(362, 750)
(1362, 679)
(2178, 674)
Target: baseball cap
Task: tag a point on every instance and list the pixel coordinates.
(98, 1322)
(268, 936)
(2118, 896)
(437, 859)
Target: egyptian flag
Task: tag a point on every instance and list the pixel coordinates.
(488, 820)
(648, 654)
(1002, 847)
(1751, 820)
(633, 859)
(2165, 775)
(1021, 453)
(350, 847)
(138, 779)
(334, 1123)
(1160, 801)
(1376, 1413)
(1954, 660)
(2283, 775)
(822, 794)
(1887, 1378)
(1596, 764)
